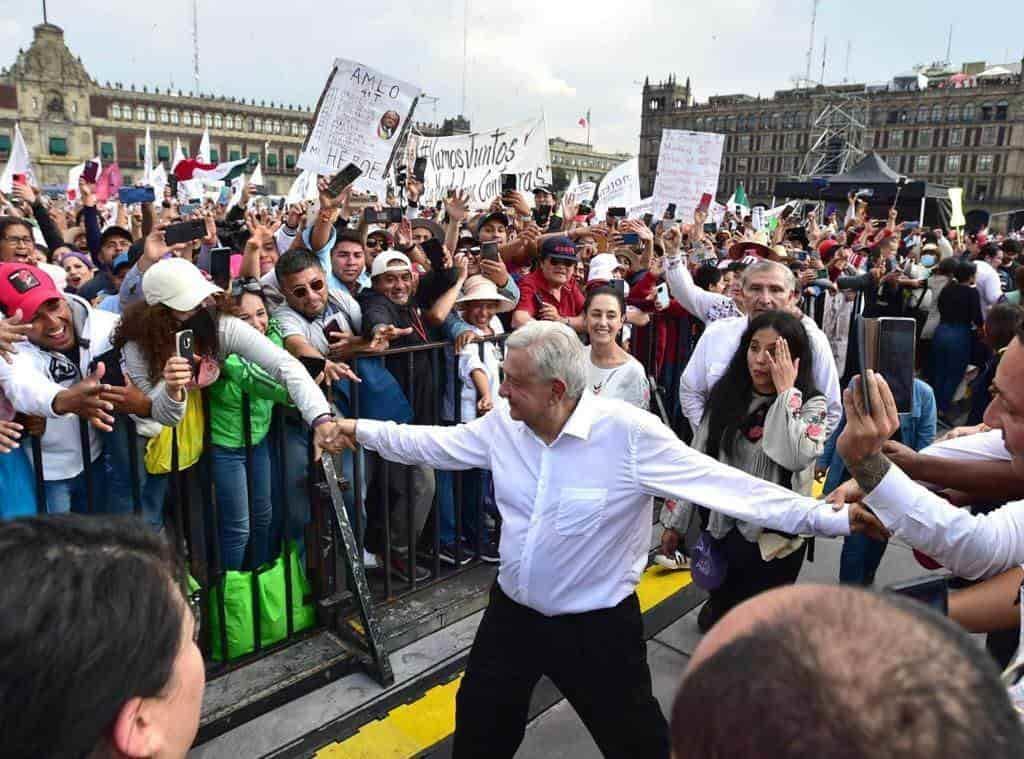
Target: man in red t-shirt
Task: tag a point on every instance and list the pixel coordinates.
(550, 292)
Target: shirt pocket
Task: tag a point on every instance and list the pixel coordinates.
(580, 510)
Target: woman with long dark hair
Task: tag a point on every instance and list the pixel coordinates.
(765, 417)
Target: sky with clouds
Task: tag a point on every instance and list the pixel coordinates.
(561, 57)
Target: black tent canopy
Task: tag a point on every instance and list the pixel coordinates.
(874, 174)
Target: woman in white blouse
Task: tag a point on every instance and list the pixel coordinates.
(611, 371)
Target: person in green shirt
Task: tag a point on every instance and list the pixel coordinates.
(243, 381)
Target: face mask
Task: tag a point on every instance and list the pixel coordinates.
(928, 260)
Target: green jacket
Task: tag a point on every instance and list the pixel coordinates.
(237, 377)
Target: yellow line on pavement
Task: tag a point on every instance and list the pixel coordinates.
(410, 729)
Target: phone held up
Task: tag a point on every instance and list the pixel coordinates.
(389, 215)
(886, 346)
(509, 183)
(489, 251)
(185, 231)
(343, 179)
(184, 345)
(930, 590)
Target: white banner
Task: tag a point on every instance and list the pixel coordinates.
(688, 166)
(582, 193)
(18, 162)
(475, 162)
(620, 187)
(359, 119)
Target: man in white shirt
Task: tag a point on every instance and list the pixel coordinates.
(986, 278)
(767, 286)
(574, 481)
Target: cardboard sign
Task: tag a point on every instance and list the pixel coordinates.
(688, 166)
(475, 162)
(360, 118)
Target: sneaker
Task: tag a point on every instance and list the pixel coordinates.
(707, 617)
(369, 560)
(672, 562)
(489, 552)
(448, 555)
(400, 570)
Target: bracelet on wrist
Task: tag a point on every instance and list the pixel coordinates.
(321, 420)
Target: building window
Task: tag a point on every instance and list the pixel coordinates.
(937, 113)
(924, 138)
(743, 142)
(1001, 110)
(115, 111)
(987, 111)
(921, 164)
(165, 117)
(305, 129)
(654, 104)
(214, 155)
(142, 151)
(234, 155)
(953, 114)
(271, 160)
(140, 113)
(741, 165)
(904, 117)
(107, 151)
(58, 146)
(196, 118)
(218, 121)
(289, 161)
(896, 138)
(789, 143)
(956, 136)
(175, 117)
(969, 112)
(151, 114)
(208, 119)
(258, 125)
(186, 118)
(922, 113)
(988, 135)
(163, 152)
(953, 164)
(985, 163)
(277, 127)
(5, 145)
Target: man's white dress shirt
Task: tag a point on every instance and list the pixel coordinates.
(990, 288)
(576, 514)
(719, 344)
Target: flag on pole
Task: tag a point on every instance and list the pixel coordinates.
(257, 176)
(179, 154)
(739, 198)
(203, 155)
(158, 180)
(583, 121)
(191, 168)
(17, 163)
(147, 161)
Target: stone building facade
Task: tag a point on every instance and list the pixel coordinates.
(957, 127)
(572, 158)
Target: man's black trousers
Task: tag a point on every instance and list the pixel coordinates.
(598, 660)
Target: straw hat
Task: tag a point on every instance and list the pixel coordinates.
(478, 288)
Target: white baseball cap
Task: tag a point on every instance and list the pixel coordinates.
(389, 260)
(177, 284)
(603, 267)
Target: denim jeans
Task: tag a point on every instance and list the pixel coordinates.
(117, 470)
(473, 483)
(67, 495)
(860, 559)
(231, 491)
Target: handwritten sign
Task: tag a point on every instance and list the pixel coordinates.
(688, 166)
(475, 162)
(360, 119)
(620, 188)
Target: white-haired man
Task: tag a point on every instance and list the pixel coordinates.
(767, 286)
(574, 478)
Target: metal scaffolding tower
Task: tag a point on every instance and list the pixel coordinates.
(838, 128)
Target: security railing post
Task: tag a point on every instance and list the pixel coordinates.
(250, 549)
(409, 484)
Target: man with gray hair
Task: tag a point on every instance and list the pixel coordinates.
(574, 480)
(767, 286)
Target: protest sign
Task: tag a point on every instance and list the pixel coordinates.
(580, 193)
(475, 162)
(956, 202)
(360, 118)
(620, 187)
(688, 166)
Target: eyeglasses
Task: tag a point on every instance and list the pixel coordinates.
(196, 607)
(16, 241)
(246, 285)
(374, 243)
(302, 291)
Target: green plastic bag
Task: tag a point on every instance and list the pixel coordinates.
(237, 588)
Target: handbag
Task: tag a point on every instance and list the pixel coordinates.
(708, 563)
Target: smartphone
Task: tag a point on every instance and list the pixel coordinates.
(18, 179)
(864, 340)
(705, 202)
(538, 301)
(343, 179)
(630, 238)
(387, 215)
(220, 264)
(670, 211)
(661, 296)
(184, 344)
(895, 362)
(187, 209)
(865, 192)
(419, 169)
(711, 227)
(91, 172)
(129, 195)
(331, 330)
(619, 286)
(185, 231)
(314, 365)
(649, 219)
(489, 251)
(509, 183)
(112, 374)
(821, 274)
(617, 211)
(434, 252)
(911, 224)
(930, 590)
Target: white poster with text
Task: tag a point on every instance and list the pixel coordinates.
(688, 166)
(360, 118)
(475, 162)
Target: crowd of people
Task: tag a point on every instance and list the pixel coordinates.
(561, 331)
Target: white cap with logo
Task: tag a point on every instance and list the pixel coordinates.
(389, 260)
(177, 284)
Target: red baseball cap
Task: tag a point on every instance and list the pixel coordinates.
(826, 247)
(26, 287)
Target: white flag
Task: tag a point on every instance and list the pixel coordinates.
(17, 163)
(203, 156)
(620, 187)
(147, 161)
(179, 154)
(257, 176)
(237, 185)
(303, 188)
(158, 180)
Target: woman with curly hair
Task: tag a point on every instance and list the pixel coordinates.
(766, 418)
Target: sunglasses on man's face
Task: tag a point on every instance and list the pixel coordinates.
(372, 243)
(302, 291)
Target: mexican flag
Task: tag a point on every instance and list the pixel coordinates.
(190, 168)
(739, 198)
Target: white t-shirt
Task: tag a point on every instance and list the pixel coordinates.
(989, 287)
(470, 359)
(627, 382)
